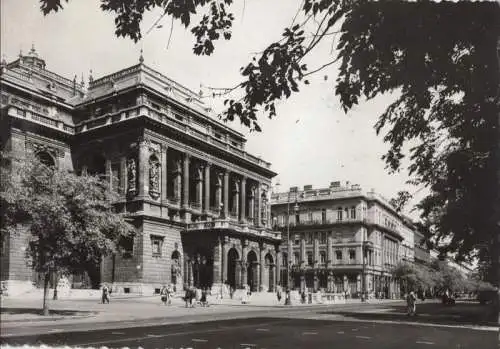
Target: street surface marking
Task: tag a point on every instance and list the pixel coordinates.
(55, 330)
(262, 329)
(247, 345)
(340, 332)
(363, 337)
(137, 338)
(199, 340)
(468, 327)
(309, 333)
(424, 342)
(354, 329)
(117, 332)
(154, 335)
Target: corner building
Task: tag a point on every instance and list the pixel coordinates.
(199, 201)
(339, 239)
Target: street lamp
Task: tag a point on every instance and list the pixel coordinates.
(363, 274)
(290, 251)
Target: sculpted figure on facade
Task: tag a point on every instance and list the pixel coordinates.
(132, 176)
(154, 177)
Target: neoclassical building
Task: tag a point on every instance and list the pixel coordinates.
(338, 238)
(199, 201)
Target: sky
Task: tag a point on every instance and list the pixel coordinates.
(311, 141)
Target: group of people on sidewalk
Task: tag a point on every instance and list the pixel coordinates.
(197, 294)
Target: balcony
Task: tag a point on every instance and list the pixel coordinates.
(195, 206)
(234, 226)
(174, 201)
(308, 223)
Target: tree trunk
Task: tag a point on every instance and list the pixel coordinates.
(56, 281)
(46, 293)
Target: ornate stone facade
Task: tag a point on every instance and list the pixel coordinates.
(185, 179)
(340, 239)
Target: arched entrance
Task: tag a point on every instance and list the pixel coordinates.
(232, 261)
(270, 271)
(252, 277)
(202, 270)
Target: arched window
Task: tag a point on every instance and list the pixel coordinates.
(45, 158)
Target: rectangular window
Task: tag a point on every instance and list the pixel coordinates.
(297, 239)
(309, 216)
(156, 244)
(323, 237)
(310, 238)
(339, 214)
(352, 255)
(353, 212)
(323, 216)
(310, 259)
(284, 260)
(322, 257)
(338, 255)
(297, 218)
(296, 258)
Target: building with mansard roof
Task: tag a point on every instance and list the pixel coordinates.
(199, 201)
(341, 239)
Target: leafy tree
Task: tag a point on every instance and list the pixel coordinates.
(443, 71)
(69, 220)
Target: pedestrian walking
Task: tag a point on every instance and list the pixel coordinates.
(278, 293)
(105, 294)
(411, 302)
(164, 295)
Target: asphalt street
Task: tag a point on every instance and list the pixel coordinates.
(173, 315)
(272, 333)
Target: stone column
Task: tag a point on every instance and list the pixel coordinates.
(244, 262)
(316, 280)
(315, 248)
(259, 206)
(302, 249)
(143, 170)
(226, 194)
(178, 180)
(261, 269)
(218, 192)
(329, 252)
(207, 188)
(251, 205)
(124, 175)
(236, 198)
(199, 187)
(163, 188)
(109, 173)
(185, 182)
(224, 259)
(217, 262)
(243, 194)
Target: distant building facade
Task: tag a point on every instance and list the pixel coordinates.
(340, 237)
(199, 201)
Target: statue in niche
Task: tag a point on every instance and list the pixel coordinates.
(132, 175)
(154, 177)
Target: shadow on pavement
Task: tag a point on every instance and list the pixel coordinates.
(460, 313)
(38, 311)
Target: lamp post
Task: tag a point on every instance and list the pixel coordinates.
(290, 251)
(363, 273)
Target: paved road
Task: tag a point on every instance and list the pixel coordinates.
(260, 333)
